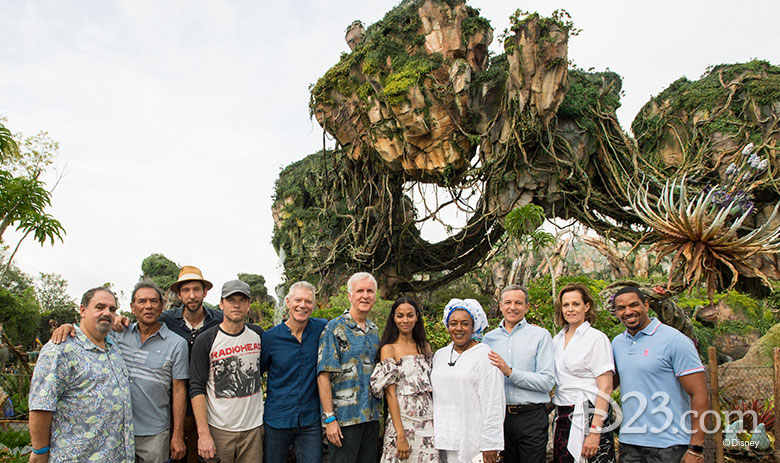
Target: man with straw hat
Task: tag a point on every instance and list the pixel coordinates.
(188, 321)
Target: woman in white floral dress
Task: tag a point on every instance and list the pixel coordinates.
(402, 376)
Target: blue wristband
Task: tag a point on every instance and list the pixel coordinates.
(329, 419)
(41, 451)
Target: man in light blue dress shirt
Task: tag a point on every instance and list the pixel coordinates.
(524, 354)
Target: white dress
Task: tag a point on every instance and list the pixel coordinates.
(468, 403)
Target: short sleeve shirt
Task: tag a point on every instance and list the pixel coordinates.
(652, 399)
(87, 389)
(348, 353)
(153, 365)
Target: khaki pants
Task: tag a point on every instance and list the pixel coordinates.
(240, 446)
(153, 449)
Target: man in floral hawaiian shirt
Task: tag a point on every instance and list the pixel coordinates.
(345, 361)
(80, 394)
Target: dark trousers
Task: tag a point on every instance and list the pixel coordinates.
(306, 441)
(640, 454)
(360, 444)
(606, 451)
(525, 435)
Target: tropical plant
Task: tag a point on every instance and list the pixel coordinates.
(524, 224)
(704, 234)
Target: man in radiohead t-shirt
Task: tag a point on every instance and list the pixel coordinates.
(227, 398)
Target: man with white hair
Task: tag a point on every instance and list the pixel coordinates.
(289, 355)
(346, 359)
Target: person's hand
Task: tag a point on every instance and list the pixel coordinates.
(591, 445)
(498, 361)
(62, 332)
(691, 457)
(120, 323)
(333, 433)
(490, 456)
(178, 449)
(206, 448)
(39, 458)
(402, 447)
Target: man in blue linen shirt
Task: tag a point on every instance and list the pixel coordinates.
(662, 386)
(524, 354)
(289, 355)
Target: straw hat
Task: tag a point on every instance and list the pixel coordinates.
(190, 273)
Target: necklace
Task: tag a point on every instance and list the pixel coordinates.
(451, 362)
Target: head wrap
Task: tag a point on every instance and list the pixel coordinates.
(474, 308)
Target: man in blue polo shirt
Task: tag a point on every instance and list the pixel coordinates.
(662, 384)
(289, 355)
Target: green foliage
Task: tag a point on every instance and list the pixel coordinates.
(589, 92)
(473, 23)
(51, 290)
(160, 270)
(17, 386)
(20, 315)
(397, 83)
(261, 313)
(524, 224)
(24, 197)
(14, 439)
(256, 287)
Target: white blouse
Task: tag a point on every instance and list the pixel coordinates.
(588, 355)
(468, 402)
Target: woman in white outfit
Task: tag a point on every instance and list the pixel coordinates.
(583, 379)
(468, 392)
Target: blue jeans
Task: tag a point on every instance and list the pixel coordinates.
(306, 441)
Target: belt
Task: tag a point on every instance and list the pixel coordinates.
(517, 409)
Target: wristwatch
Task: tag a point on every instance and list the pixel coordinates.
(596, 428)
(696, 448)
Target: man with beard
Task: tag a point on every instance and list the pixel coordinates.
(188, 321)
(225, 390)
(80, 395)
(662, 386)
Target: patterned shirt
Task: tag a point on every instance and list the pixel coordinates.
(87, 389)
(348, 353)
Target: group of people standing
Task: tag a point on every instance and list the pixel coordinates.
(186, 383)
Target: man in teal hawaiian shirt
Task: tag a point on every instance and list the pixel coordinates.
(80, 395)
(345, 361)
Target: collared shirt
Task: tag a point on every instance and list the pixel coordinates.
(292, 398)
(87, 390)
(528, 352)
(588, 355)
(174, 320)
(348, 353)
(152, 365)
(652, 398)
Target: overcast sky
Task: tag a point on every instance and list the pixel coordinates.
(174, 118)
